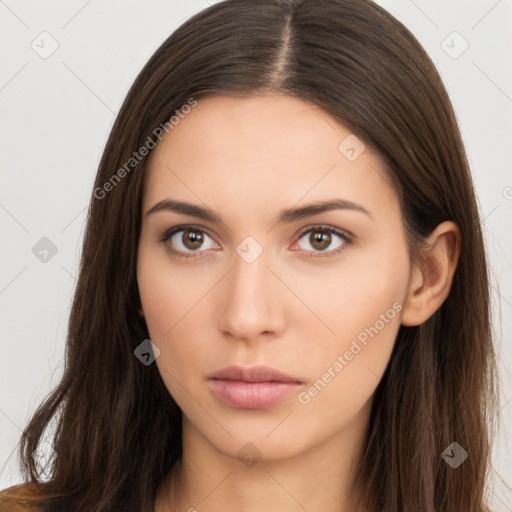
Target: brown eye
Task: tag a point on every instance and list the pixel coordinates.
(192, 239)
(322, 238)
(186, 241)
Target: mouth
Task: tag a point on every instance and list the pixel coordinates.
(255, 387)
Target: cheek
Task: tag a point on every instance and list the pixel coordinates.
(171, 300)
(347, 382)
(354, 294)
(169, 311)
(166, 293)
(166, 319)
(362, 304)
(345, 371)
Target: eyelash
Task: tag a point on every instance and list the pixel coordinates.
(347, 238)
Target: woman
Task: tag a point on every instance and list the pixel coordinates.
(283, 300)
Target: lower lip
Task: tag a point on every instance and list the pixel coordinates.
(252, 395)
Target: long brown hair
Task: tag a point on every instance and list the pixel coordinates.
(118, 429)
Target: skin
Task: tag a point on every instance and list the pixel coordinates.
(247, 159)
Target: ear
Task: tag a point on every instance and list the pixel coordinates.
(431, 279)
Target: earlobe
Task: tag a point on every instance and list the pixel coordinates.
(432, 279)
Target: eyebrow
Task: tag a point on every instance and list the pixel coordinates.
(285, 216)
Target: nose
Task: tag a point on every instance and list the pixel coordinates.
(252, 305)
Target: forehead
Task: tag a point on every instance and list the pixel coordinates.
(269, 125)
(260, 150)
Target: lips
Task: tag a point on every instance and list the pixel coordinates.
(256, 387)
(253, 374)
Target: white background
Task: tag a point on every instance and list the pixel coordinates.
(57, 113)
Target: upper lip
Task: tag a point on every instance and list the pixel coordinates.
(253, 374)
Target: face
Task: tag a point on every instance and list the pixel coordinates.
(315, 295)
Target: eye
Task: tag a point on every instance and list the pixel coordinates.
(188, 242)
(321, 237)
(185, 241)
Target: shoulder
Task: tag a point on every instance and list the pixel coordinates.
(17, 498)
